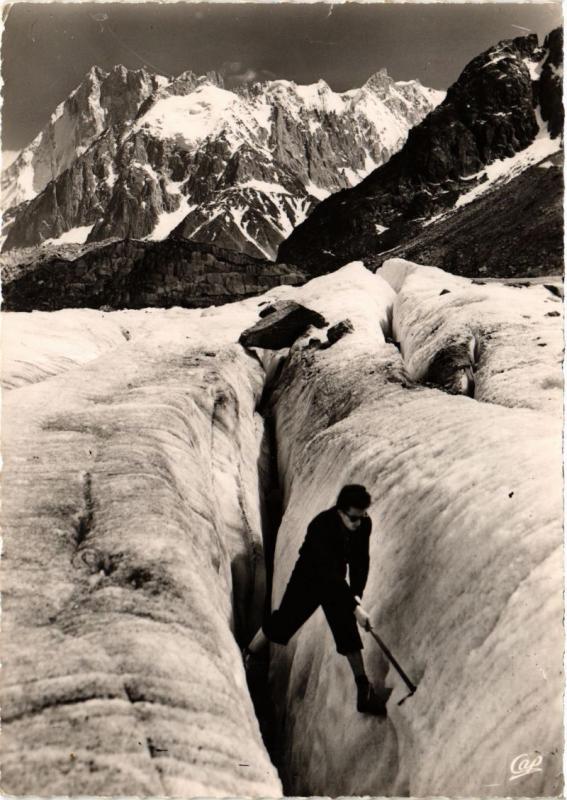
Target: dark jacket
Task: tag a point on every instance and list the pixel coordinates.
(327, 550)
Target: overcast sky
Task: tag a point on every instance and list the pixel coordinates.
(47, 48)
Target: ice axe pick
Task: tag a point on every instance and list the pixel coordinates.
(387, 652)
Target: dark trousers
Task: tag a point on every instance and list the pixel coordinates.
(302, 597)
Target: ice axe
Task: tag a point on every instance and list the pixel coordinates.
(390, 657)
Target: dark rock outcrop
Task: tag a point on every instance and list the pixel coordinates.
(337, 332)
(282, 326)
(550, 83)
(513, 231)
(136, 274)
(488, 114)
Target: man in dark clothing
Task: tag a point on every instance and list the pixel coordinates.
(336, 539)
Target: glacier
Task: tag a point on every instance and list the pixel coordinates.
(135, 457)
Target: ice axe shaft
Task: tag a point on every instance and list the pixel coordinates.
(394, 663)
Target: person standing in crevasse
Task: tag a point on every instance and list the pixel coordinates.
(336, 539)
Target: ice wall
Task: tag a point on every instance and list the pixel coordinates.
(131, 542)
(466, 561)
(135, 459)
(514, 332)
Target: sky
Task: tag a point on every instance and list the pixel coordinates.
(48, 48)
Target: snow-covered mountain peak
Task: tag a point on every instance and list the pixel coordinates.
(379, 81)
(191, 109)
(122, 71)
(190, 118)
(96, 74)
(103, 99)
(149, 154)
(319, 96)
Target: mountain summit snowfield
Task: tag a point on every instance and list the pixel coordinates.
(131, 154)
(137, 457)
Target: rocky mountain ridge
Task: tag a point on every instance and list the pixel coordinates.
(135, 274)
(102, 100)
(514, 230)
(503, 115)
(141, 156)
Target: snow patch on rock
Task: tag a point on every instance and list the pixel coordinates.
(78, 235)
(316, 191)
(168, 220)
(503, 170)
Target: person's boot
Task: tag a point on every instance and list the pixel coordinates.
(370, 700)
(255, 664)
(247, 657)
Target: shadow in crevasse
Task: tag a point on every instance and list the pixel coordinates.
(271, 515)
(259, 579)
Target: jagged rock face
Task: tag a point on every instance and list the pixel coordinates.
(489, 115)
(102, 100)
(242, 218)
(135, 274)
(466, 547)
(551, 81)
(239, 169)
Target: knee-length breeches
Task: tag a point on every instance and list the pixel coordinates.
(300, 601)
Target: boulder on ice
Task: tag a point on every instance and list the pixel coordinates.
(281, 325)
(337, 332)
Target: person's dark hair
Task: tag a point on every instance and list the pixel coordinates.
(353, 496)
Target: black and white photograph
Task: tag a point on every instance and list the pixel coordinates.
(282, 400)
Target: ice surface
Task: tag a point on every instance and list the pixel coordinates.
(41, 344)
(131, 488)
(132, 540)
(517, 330)
(465, 583)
